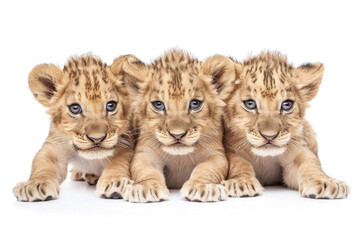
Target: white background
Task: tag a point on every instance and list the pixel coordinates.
(34, 32)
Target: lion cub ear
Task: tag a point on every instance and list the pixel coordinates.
(309, 76)
(44, 81)
(222, 71)
(130, 71)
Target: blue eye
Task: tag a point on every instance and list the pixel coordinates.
(195, 104)
(287, 105)
(75, 108)
(111, 106)
(158, 105)
(250, 104)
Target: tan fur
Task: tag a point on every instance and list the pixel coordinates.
(198, 164)
(77, 175)
(89, 82)
(291, 158)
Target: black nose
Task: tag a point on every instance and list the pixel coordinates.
(178, 135)
(96, 139)
(269, 137)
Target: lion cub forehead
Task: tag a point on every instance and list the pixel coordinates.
(268, 74)
(88, 77)
(175, 75)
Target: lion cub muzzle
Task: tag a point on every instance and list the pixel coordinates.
(96, 142)
(179, 137)
(96, 132)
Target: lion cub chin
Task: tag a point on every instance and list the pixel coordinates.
(267, 139)
(89, 127)
(180, 133)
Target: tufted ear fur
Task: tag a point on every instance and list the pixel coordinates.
(44, 81)
(309, 76)
(130, 71)
(222, 71)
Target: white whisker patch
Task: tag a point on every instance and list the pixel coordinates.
(183, 150)
(96, 155)
(268, 152)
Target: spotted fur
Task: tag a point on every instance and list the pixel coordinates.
(275, 145)
(89, 82)
(195, 162)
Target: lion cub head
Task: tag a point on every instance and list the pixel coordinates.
(179, 109)
(267, 100)
(88, 103)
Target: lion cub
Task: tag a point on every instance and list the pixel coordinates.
(180, 133)
(266, 133)
(88, 103)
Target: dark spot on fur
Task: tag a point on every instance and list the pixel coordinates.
(307, 65)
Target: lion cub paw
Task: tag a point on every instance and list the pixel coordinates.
(147, 191)
(37, 190)
(112, 187)
(326, 188)
(243, 187)
(200, 192)
(77, 175)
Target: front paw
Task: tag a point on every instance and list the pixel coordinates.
(147, 191)
(112, 186)
(37, 190)
(201, 192)
(325, 188)
(243, 187)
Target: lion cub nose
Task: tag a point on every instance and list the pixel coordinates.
(96, 139)
(269, 137)
(177, 135)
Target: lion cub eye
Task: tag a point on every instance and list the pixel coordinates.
(75, 108)
(195, 104)
(158, 105)
(111, 106)
(250, 104)
(287, 105)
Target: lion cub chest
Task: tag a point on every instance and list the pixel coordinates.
(178, 170)
(268, 171)
(94, 166)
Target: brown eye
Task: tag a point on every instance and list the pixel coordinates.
(250, 104)
(111, 106)
(75, 108)
(287, 105)
(158, 105)
(195, 104)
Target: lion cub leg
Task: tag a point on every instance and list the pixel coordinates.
(115, 176)
(46, 175)
(306, 175)
(148, 181)
(204, 184)
(77, 175)
(241, 181)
